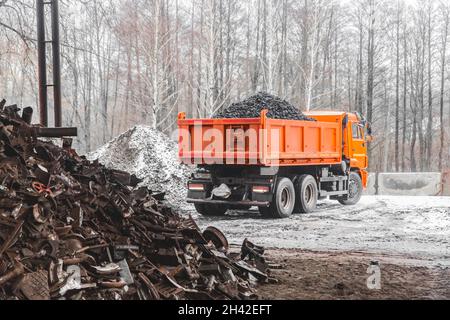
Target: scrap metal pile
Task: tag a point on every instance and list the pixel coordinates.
(253, 106)
(72, 229)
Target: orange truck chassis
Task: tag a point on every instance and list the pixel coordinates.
(281, 166)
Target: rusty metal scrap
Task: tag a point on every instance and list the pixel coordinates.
(72, 229)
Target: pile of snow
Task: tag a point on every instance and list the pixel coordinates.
(151, 156)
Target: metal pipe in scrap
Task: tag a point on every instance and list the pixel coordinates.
(56, 132)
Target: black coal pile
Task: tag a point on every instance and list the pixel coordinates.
(253, 106)
(71, 229)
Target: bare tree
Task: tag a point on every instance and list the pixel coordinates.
(445, 11)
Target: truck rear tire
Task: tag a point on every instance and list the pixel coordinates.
(308, 194)
(211, 210)
(283, 203)
(355, 190)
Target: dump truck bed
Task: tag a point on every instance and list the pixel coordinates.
(261, 141)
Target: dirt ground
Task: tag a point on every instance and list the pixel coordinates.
(327, 254)
(416, 227)
(308, 275)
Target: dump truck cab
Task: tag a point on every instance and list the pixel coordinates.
(356, 136)
(280, 166)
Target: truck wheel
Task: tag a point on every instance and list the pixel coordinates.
(211, 210)
(308, 194)
(283, 203)
(355, 190)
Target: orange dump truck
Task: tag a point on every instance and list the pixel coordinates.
(280, 166)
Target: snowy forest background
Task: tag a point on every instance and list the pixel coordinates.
(128, 62)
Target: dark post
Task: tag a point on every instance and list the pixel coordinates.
(56, 64)
(42, 72)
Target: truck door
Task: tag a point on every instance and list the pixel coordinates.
(358, 147)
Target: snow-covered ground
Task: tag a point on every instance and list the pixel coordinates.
(415, 227)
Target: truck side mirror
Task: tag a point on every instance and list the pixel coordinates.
(369, 134)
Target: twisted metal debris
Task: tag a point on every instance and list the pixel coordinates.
(72, 229)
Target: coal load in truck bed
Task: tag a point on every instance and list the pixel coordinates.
(253, 106)
(73, 229)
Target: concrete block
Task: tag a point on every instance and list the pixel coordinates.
(446, 184)
(409, 184)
